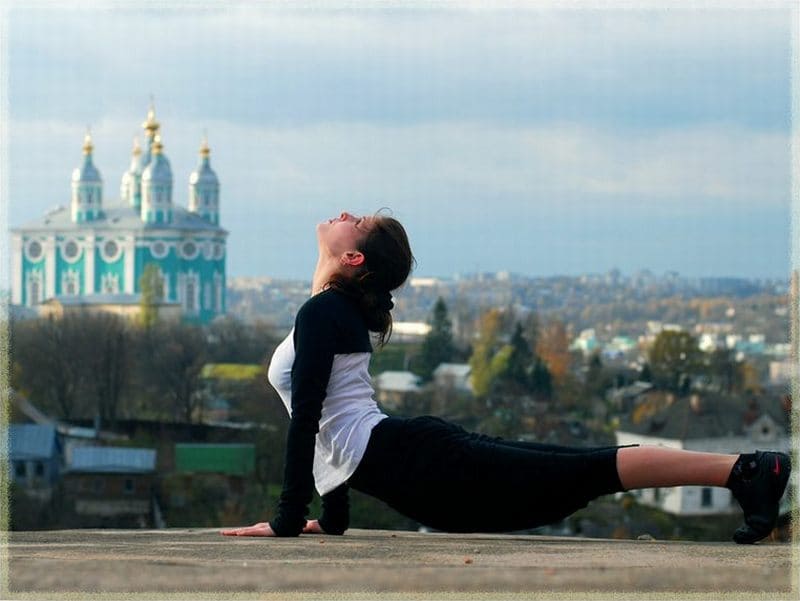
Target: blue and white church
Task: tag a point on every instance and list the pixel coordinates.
(97, 247)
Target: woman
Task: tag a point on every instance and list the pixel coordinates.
(426, 468)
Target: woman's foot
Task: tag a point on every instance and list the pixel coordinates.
(757, 481)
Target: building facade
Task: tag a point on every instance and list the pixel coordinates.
(100, 247)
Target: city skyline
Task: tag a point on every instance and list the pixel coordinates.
(537, 141)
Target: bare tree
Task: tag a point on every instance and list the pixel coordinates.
(46, 358)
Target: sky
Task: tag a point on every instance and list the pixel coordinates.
(539, 139)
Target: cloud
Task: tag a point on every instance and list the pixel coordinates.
(562, 130)
(632, 69)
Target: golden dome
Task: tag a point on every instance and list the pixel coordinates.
(87, 143)
(150, 124)
(137, 150)
(205, 151)
(157, 145)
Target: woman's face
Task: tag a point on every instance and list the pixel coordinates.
(341, 235)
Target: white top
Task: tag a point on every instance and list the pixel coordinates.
(349, 412)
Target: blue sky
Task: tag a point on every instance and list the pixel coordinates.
(540, 139)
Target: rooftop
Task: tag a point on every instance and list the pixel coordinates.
(435, 566)
(116, 215)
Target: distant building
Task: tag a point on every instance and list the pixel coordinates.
(586, 342)
(453, 375)
(111, 486)
(35, 455)
(781, 372)
(223, 467)
(124, 305)
(707, 423)
(408, 331)
(392, 388)
(100, 247)
(624, 399)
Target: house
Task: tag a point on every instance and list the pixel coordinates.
(393, 388)
(111, 486)
(453, 375)
(624, 398)
(35, 455)
(709, 423)
(209, 483)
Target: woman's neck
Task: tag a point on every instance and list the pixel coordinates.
(325, 270)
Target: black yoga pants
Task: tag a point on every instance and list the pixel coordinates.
(449, 479)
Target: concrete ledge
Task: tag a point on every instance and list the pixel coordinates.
(200, 561)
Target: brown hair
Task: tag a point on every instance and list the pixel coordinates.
(387, 264)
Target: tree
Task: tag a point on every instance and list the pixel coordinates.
(106, 360)
(47, 357)
(674, 357)
(437, 347)
(520, 362)
(152, 290)
(489, 357)
(553, 348)
(722, 367)
(597, 380)
(230, 340)
(173, 357)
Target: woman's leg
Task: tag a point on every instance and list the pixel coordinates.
(652, 466)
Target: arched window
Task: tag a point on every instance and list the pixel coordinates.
(191, 290)
(109, 283)
(34, 288)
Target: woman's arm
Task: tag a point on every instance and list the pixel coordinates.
(335, 517)
(314, 339)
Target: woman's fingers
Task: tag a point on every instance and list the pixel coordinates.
(259, 529)
(313, 527)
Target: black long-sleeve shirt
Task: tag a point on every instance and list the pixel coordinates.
(328, 325)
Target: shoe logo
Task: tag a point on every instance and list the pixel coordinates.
(777, 469)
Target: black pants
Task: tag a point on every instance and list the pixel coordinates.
(449, 479)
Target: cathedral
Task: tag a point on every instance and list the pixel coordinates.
(96, 247)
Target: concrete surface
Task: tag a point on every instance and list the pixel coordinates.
(203, 561)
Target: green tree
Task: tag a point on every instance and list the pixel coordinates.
(438, 344)
(674, 358)
(490, 357)
(152, 291)
(521, 360)
(646, 375)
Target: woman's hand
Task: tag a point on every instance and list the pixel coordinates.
(313, 527)
(260, 529)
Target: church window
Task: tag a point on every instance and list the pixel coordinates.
(207, 296)
(69, 283)
(34, 250)
(110, 250)
(159, 249)
(217, 295)
(164, 285)
(71, 249)
(219, 250)
(191, 290)
(189, 250)
(109, 283)
(34, 288)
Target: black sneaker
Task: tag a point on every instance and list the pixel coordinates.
(757, 481)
